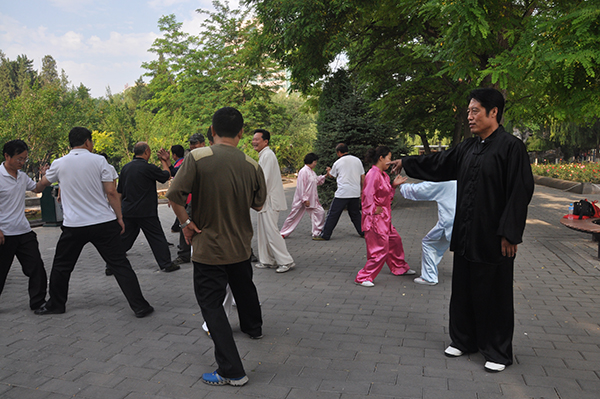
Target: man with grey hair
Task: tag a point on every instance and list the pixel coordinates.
(137, 186)
(196, 141)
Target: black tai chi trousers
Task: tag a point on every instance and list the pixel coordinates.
(26, 248)
(210, 283)
(106, 237)
(154, 234)
(335, 211)
(482, 308)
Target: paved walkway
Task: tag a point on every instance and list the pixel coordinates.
(324, 336)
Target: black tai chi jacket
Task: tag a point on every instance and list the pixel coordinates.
(495, 185)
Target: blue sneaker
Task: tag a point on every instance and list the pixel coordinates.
(215, 379)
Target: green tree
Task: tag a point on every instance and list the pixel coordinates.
(418, 59)
(345, 117)
(49, 73)
(195, 75)
(41, 114)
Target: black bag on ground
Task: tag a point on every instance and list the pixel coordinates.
(583, 208)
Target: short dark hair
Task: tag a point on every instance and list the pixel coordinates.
(310, 158)
(140, 148)
(178, 150)
(14, 147)
(373, 154)
(227, 122)
(489, 99)
(265, 134)
(78, 136)
(209, 135)
(342, 148)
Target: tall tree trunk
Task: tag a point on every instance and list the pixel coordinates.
(425, 143)
(461, 127)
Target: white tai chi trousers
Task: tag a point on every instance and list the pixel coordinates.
(271, 245)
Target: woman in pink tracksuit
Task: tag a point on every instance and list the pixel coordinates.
(306, 199)
(384, 244)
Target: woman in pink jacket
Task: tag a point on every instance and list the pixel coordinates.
(306, 199)
(384, 244)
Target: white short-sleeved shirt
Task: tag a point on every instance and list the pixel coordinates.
(80, 175)
(113, 171)
(12, 202)
(348, 171)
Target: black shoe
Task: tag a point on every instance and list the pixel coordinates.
(44, 310)
(108, 272)
(253, 258)
(143, 313)
(181, 260)
(37, 306)
(171, 268)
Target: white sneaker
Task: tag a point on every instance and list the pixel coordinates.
(366, 283)
(494, 367)
(420, 280)
(409, 272)
(453, 352)
(285, 268)
(263, 266)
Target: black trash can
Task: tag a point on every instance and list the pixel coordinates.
(52, 214)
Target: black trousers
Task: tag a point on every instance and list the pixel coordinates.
(107, 240)
(335, 211)
(210, 283)
(26, 248)
(154, 233)
(482, 309)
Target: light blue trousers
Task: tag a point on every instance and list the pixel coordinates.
(434, 246)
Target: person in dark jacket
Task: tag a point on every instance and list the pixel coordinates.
(137, 186)
(495, 186)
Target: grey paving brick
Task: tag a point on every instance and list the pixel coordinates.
(517, 391)
(296, 393)
(352, 387)
(98, 392)
(396, 390)
(138, 395)
(103, 380)
(29, 393)
(66, 388)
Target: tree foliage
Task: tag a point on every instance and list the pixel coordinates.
(345, 117)
(191, 77)
(199, 74)
(417, 60)
(39, 109)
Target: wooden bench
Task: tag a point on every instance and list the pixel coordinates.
(590, 226)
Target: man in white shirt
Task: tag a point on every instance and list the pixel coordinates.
(272, 251)
(349, 173)
(16, 237)
(84, 180)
